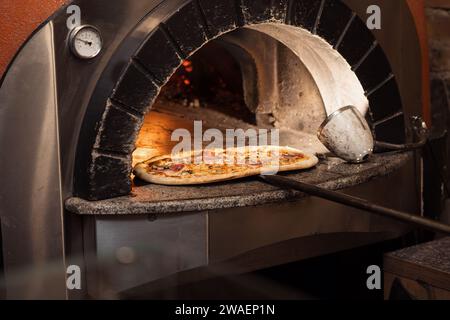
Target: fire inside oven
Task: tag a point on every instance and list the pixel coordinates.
(207, 87)
(265, 77)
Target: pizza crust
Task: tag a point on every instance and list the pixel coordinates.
(140, 170)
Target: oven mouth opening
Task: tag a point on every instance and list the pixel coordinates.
(281, 77)
(266, 76)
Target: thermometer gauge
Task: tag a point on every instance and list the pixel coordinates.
(85, 42)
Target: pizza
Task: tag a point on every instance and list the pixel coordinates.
(214, 165)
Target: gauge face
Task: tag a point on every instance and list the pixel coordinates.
(86, 42)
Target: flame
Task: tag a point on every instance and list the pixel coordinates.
(188, 66)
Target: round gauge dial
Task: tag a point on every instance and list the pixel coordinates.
(86, 42)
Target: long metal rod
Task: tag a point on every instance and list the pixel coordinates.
(381, 146)
(357, 203)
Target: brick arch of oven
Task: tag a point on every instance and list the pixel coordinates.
(196, 23)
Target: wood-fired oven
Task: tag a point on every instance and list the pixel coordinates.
(71, 130)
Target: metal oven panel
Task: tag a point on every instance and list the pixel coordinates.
(130, 251)
(31, 203)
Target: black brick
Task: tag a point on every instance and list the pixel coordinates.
(385, 101)
(257, 11)
(135, 89)
(159, 56)
(221, 16)
(186, 28)
(357, 42)
(334, 19)
(304, 13)
(392, 131)
(109, 177)
(279, 10)
(374, 70)
(118, 130)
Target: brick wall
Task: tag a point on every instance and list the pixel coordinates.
(438, 25)
(438, 18)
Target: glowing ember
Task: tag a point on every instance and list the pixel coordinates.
(188, 66)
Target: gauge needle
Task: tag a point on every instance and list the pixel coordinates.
(86, 42)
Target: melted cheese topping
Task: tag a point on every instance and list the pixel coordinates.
(219, 162)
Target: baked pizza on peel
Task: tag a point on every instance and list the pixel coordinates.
(215, 165)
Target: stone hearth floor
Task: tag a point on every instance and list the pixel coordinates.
(331, 173)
